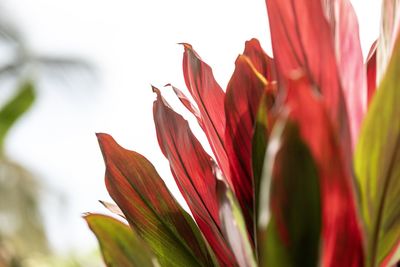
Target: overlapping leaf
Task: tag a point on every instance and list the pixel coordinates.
(245, 90)
(193, 170)
(119, 245)
(234, 226)
(344, 26)
(302, 39)
(150, 209)
(209, 98)
(290, 220)
(377, 165)
(341, 236)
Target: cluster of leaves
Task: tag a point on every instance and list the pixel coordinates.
(296, 181)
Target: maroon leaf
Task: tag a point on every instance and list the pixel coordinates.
(342, 244)
(209, 97)
(150, 209)
(302, 39)
(193, 171)
(243, 95)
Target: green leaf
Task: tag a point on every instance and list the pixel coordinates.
(150, 208)
(234, 226)
(290, 208)
(377, 165)
(259, 146)
(119, 244)
(15, 108)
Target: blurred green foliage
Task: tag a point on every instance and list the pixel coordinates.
(23, 241)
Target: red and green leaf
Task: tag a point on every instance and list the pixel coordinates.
(150, 209)
(302, 40)
(119, 244)
(263, 63)
(209, 98)
(341, 236)
(244, 92)
(377, 165)
(234, 226)
(344, 26)
(193, 170)
(290, 213)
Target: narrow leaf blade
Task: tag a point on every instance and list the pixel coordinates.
(209, 98)
(193, 170)
(15, 108)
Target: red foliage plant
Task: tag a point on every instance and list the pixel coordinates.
(306, 147)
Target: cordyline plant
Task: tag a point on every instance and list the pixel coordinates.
(307, 154)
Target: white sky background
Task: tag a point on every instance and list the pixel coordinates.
(132, 44)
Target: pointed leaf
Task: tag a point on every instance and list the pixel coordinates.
(263, 63)
(377, 165)
(342, 244)
(243, 95)
(209, 98)
(188, 104)
(302, 40)
(120, 246)
(293, 233)
(193, 170)
(15, 108)
(150, 209)
(112, 208)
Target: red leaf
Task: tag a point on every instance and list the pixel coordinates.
(342, 244)
(243, 95)
(371, 71)
(149, 207)
(188, 104)
(209, 97)
(302, 39)
(193, 171)
(344, 25)
(260, 60)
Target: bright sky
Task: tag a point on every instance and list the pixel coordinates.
(133, 44)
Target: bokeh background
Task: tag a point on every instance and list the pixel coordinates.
(86, 66)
